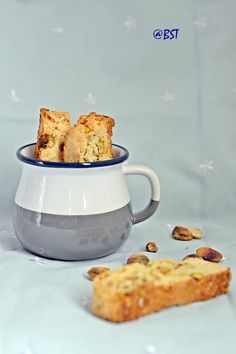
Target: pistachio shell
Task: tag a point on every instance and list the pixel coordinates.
(151, 247)
(94, 271)
(209, 254)
(182, 233)
(196, 233)
(138, 258)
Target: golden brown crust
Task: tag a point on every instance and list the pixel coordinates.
(89, 139)
(93, 119)
(116, 299)
(53, 127)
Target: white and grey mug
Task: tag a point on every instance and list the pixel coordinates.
(75, 211)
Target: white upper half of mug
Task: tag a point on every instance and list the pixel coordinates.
(72, 191)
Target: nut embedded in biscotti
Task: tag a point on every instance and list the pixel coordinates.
(53, 126)
(138, 258)
(209, 254)
(94, 271)
(61, 147)
(193, 255)
(151, 247)
(133, 291)
(43, 141)
(197, 276)
(182, 233)
(166, 268)
(196, 233)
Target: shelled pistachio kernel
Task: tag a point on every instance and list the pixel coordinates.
(193, 255)
(182, 233)
(196, 233)
(94, 271)
(138, 258)
(151, 247)
(165, 268)
(209, 254)
(197, 276)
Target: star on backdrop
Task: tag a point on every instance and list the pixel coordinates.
(58, 29)
(151, 349)
(130, 23)
(168, 97)
(28, 351)
(12, 96)
(200, 23)
(206, 165)
(90, 99)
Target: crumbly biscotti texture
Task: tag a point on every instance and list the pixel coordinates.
(53, 127)
(90, 139)
(135, 290)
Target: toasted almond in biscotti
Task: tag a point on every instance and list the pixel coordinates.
(53, 127)
(135, 290)
(90, 139)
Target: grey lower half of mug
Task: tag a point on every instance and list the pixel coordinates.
(76, 237)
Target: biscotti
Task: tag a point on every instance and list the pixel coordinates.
(135, 290)
(89, 139)
(53, 127)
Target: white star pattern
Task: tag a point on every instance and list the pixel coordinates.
(58, 29)
(12, 96)
(130, 23)
(37, 260)
(90, 99)
(200, 23)
(28, 351)
(168, 97)
(206, 165)
(151, 349)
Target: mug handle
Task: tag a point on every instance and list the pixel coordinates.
(155, 190)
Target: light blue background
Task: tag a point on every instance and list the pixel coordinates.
(174, 104)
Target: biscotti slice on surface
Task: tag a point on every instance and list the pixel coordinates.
(53, 127)
(89, 139)
(136, 289)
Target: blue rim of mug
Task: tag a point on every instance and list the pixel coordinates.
(40, 163)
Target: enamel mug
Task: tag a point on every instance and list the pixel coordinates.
(75, 211)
